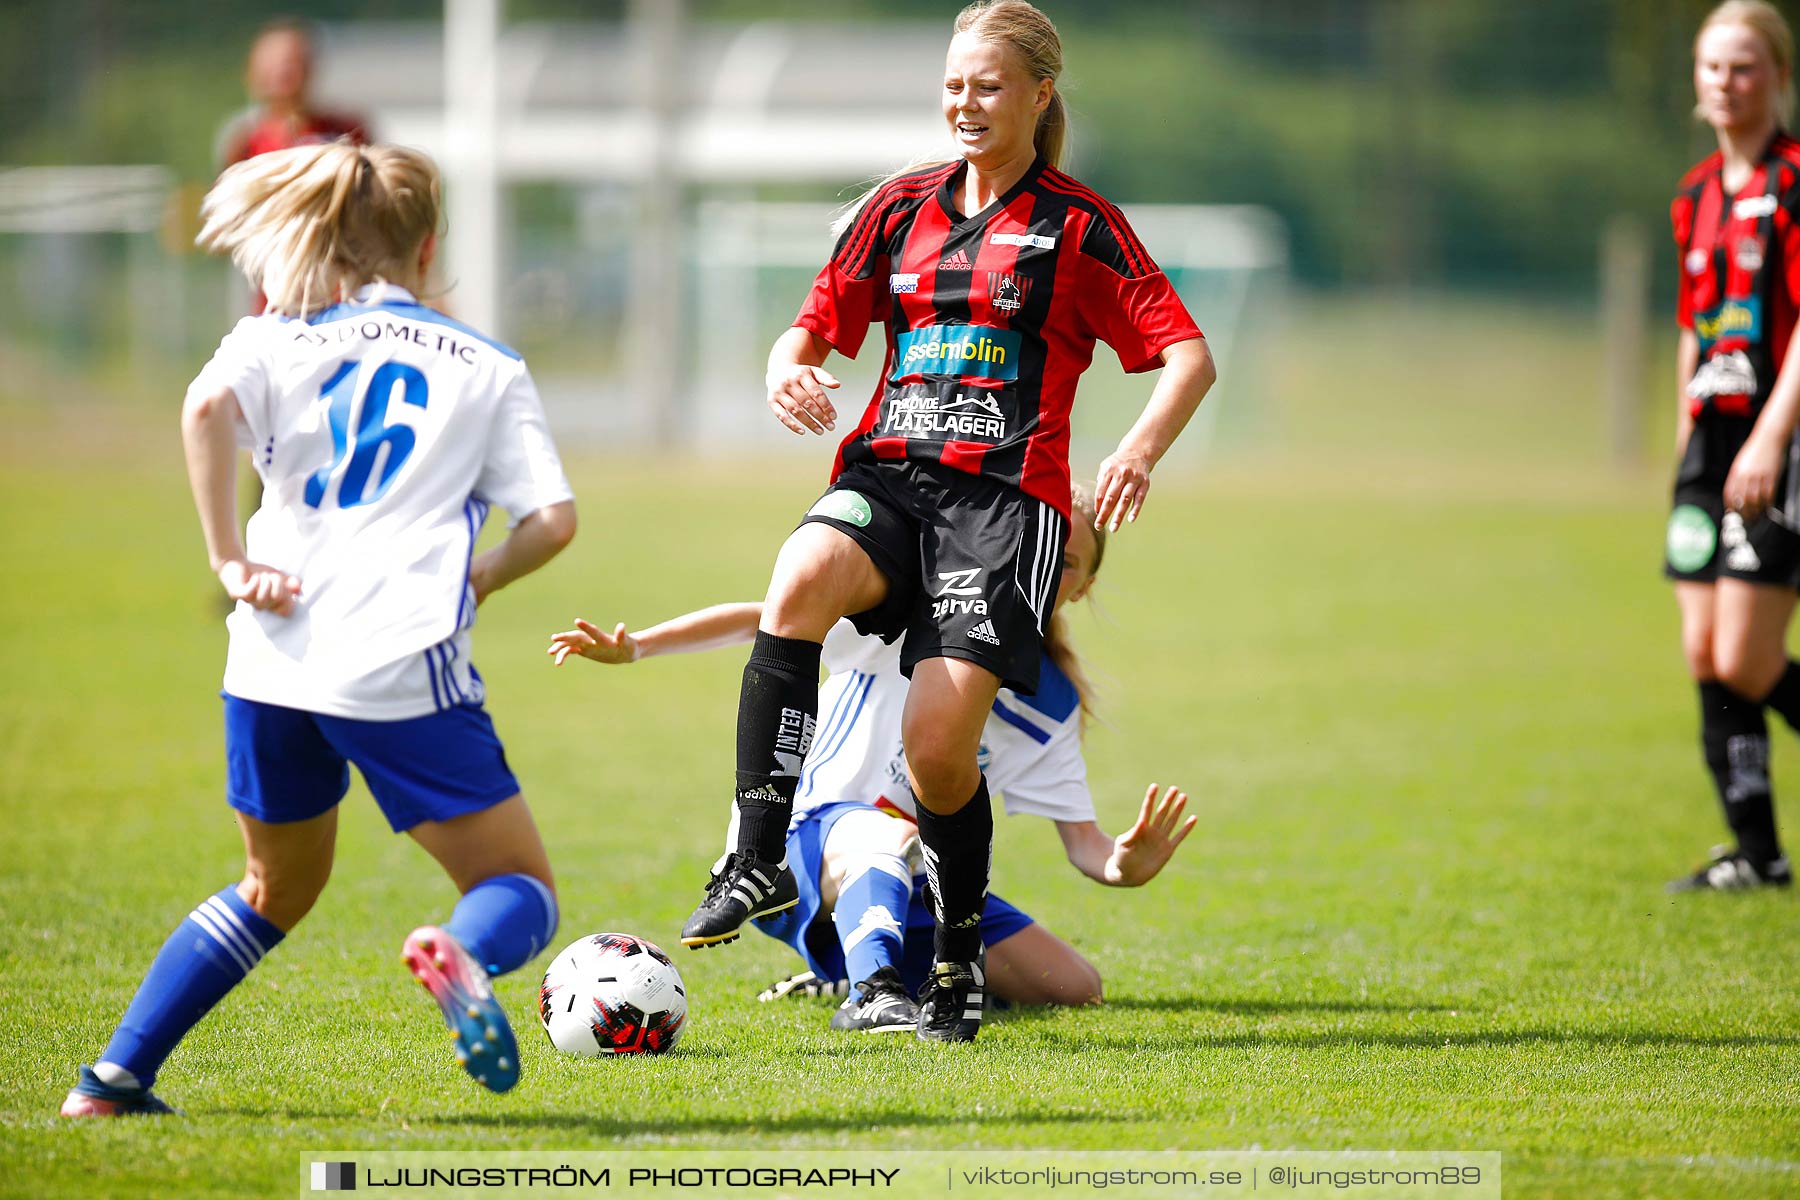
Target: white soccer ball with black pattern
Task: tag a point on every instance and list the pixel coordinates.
(612, 993)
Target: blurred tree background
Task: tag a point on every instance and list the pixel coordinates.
(1474, 143)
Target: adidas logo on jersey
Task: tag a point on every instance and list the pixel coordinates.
(984, 632)
(958, 262)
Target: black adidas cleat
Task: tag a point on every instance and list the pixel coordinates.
(880, 1005)
(744, 888)
(950, 1002)
(1730, 871)
(804, 984)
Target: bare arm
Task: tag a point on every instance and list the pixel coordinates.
(704, 629)
(1139, 854)
(797, 380)
(533, 542)
(209, 441)
(1687, 361)
(1188, 373)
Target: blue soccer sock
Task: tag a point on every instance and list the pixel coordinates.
(504, 921)
(204, 958)
(871, 914)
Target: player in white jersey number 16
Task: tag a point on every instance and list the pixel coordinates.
(382, 432)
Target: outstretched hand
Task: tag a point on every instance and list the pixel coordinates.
(591, 641)
(260, 586)
(1142, 851)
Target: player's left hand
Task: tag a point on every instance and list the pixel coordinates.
(590, 641)
(1750, 485)
(1143, 850)
(1120, 489)
(269, 589)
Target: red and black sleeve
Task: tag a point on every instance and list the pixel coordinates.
(1681, 220)
(846, 296)
(1124, 297)
(1785, 232)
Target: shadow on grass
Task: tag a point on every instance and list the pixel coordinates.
(1201, 1038)
(1043, 1023)
(796, 1123)
(1258, 1008)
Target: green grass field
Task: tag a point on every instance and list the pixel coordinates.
(1423, 689)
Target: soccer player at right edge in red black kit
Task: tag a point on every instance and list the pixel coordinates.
(993, 275)
(1733, 550)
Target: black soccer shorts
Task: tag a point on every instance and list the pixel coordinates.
(1704, 543)
(972, 565)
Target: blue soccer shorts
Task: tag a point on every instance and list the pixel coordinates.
(285, 764)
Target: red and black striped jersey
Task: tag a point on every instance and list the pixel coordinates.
(991, 319)
(1740, 276)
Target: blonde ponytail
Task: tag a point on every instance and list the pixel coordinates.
(309, 224)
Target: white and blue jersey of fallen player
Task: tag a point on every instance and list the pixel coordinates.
(1030, 747)
(337, 408)
(1030, 753)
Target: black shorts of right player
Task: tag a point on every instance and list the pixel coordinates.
(972, 564)
(1703, 542)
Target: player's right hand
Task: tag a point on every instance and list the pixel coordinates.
(260, 586)
(797, 397)
(591, 641)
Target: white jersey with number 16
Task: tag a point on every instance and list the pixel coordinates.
(383, 431)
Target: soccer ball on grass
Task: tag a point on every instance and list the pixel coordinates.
(612, 993)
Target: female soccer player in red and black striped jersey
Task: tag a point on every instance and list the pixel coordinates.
(1733, 547)
(994, 274)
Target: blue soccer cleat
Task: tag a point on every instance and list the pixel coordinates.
(484, 1040)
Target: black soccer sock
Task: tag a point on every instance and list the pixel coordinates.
(1734, 736)
(777, 709)
(959, 852)
(1784, 697)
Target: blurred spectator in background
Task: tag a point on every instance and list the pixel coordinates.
(278, 77)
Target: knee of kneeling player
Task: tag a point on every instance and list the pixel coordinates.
(1083, 985)
(1069, 981)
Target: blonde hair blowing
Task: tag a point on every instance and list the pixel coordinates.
(1030, 35)
(1766, 21)
(313, 223)
(1057, 643)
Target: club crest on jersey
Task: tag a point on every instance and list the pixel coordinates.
(1755, 206)
(903, 285)
(1034, 241)
(1007, 292)
(959, 351)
